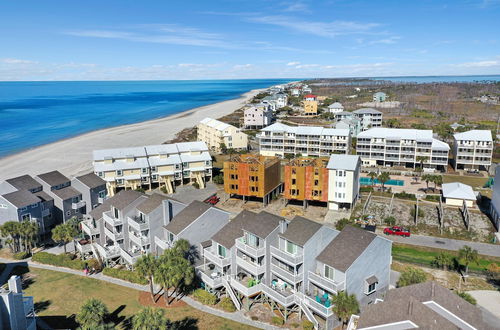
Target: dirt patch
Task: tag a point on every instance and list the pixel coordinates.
(263, 313)
(145, 300)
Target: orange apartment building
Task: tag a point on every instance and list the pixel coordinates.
(253, 176)
(306, 179)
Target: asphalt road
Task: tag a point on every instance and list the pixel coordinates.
(448, 244)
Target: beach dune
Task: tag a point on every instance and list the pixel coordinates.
(73, 156)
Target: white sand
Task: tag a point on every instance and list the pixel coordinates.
(73, 156)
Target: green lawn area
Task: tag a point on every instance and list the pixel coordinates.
(472, 181)
(59, 295)
(425, 256)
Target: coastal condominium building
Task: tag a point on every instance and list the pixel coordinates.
(306, 179)
(343, 181)
(352, 124)
(472, 150)
(217, 134)
(165, 165)
(68, 201)
(276, 101)
(252, 176)
(403, 147)
(93, 189)
(369, 118)
(335, 107)
(295, 266)
(310, 107)
(23, 199)
(257, 116)
(280, 139)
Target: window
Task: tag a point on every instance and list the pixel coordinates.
(208, 163)
(145, 170)
(254, 189)
(100, 174)
(371, 288)
(177, 166)
(251, 240)
(26, 217)
(119, 172)
(34, 205)
(184, 164)
(155, 177)
(153, 169)
(316, 182)
(75, 199)
(234, 176)
(170, 237)
(234, 187)
(291, 248)
(119, 181)
(102, 194)
(329, 272)
(221, 251)
(68, 213)
(115, 212)
(294, 181)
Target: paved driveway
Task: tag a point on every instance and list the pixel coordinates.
(447, 244)
(489, 301)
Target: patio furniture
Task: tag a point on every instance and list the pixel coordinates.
(325, 296)
(214, 275)
(318, 299)
(327, 303)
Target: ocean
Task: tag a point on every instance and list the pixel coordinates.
(37, 113)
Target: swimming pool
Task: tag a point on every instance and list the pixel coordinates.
(368, 182)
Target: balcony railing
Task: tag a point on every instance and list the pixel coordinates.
(113, 235)
(247, 291)
(161, 243)
(110, 219)
(318, 307)
(89, 228)
(138, 239)
(292, 259)
(213, 282)
(249, 266)
(130, 257)
(326, 283)
(83, 248)
(137, 223)
(286, 275)
(108, 252)
(215, 259)
(284, 299)
(250, 250)
(77, 205)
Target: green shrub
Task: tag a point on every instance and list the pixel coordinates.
(227, 304)
(124, 274)
(467, 297)
(412, 276)
(276, 320)
(433, 198)
(366, 189)
(342, 223)
(307, 325)
(21, 255)
(254, 318)
(420, 212)
(218, 179)
(196, 185)
(60, 260)
(405, 195)
(204, 297)
(390, 221)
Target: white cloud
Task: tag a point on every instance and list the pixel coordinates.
(292, 63)
(479, 64)
(295, 6)
(15, 61)
(386, 41)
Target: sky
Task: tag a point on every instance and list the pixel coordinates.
(233, 39)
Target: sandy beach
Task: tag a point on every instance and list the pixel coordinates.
(73, 156)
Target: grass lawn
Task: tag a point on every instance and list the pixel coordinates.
(469, 180)
(425, 256)
(58, 296)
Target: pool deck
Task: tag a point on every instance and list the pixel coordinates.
(408, 186)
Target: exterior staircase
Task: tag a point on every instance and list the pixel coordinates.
(307, 311)
(200, 180)
(168, 186)
(231, 293)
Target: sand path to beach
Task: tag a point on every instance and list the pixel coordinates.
(73, 156)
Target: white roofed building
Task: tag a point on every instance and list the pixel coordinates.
(343, 180)
(152, 166)
(456, 194)
(402, 147)
(216, 134)
(280, 139)
(335, 107)
(472, 150)
(369, 118)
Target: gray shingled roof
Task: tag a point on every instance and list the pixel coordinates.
(66, 193)
(262, 225)
(346, 247)
(53, 178)
(234, 229)
(24, 182)
(406, 303)
(300, 230)
(187, 216)
(151, 204)
(91, 180)
(44, 196)
(21, 198)
(96, 213)
(124, 198)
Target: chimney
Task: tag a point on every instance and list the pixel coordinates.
(15, 284)
(433, 288)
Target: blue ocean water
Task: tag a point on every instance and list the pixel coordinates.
(37, 113)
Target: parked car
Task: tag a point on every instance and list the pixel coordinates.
(212, 200)
(398, 231)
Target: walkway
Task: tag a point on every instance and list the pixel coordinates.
(236, 316)
(448, 244)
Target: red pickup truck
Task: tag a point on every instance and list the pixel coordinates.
(398, 231)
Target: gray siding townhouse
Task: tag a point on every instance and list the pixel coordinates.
(426, 306)
(17, 311)
(93, 190)
(68, 201)
(294, 267)
(22, 199)
(369, 118)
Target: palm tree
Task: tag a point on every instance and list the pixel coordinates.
(28, 232)
(383, 178)
(372, 176)
(150, 318)
(421, 160)
(146, 266)
(64, 233)
(11, 229)
(438, 180)
(92, 314)
(444, 260)
(427, 178)
(173, 271)
(467, 255)
(344, 305)
(164, 273)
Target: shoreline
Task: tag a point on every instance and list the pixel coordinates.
(73, 156)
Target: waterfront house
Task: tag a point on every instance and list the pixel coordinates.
(369, 118)
(457, 193)
(343, 181)
(335, 107)
(217, 135)
(472, 150)
(257, 116)
(93, 189)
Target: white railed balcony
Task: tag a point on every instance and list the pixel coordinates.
(138, 239)
(284, 298)
(83, 248)
(292, 259)
(326, 283)
(108, 252)
(286, 275)
(130, 257)
(136, 223)
(318, 307)
(213, 282)
(89, 228)
(245, 290)
(249, 266)
(250, 250)
(216, 259)
(484, 146)
(77, 205)
(110, 219)
(161, 243)
(113, 235)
